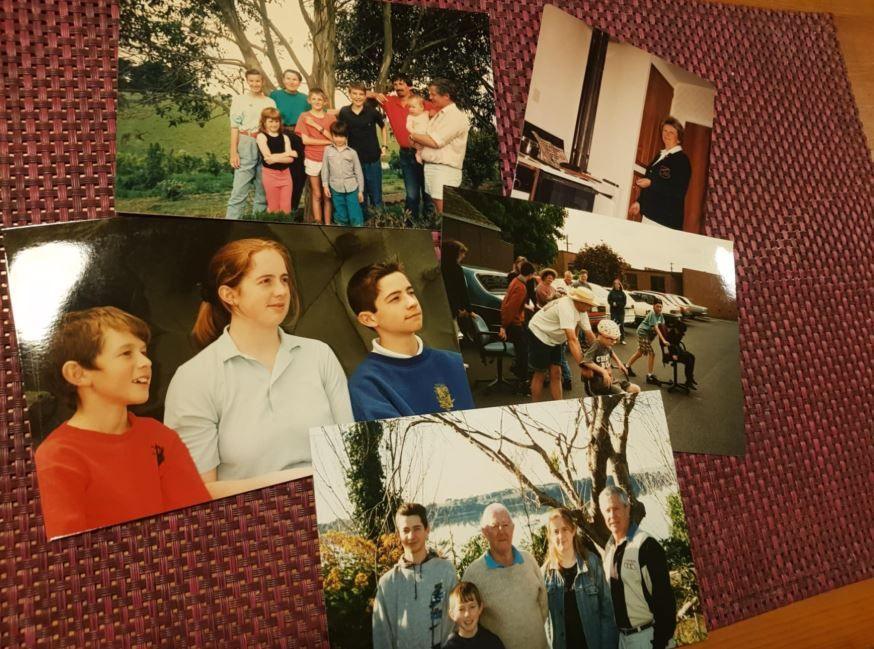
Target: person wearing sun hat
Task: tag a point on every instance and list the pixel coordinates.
(550, 328)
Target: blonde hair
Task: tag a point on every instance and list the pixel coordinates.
(227, 267)
(553, 559)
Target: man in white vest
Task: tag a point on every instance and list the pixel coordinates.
(637, 571)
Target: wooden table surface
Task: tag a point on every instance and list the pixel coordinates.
(839, 619)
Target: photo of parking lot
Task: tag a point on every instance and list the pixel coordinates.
(694, 340)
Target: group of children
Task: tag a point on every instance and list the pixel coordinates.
(343, 174)
(105, 465)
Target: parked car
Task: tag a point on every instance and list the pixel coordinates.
(669, 309)
(697, 311)
(685, 309)
(486, 289)
(670, 304)
(640, 309)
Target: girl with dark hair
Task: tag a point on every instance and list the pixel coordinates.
(580, 606)
(245, 403)
(617, 299)
(276, 158)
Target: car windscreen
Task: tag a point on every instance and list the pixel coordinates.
(493, 283)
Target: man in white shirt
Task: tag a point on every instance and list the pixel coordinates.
(549, 329)
(444, 142)
(245, 118)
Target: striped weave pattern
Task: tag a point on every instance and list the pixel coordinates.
(790, 184)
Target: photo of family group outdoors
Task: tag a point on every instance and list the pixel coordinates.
(612, 129)
(545, 525)
(347, 113)
(553, 302)
(173, 360)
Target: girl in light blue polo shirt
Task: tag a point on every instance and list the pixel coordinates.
(245, 403)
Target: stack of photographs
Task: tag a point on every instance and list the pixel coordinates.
(487, 390)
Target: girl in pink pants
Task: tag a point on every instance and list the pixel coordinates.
(276, 155)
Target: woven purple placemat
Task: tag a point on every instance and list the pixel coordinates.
(790, 184)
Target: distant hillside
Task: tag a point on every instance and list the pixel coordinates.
(469, 510)
(139, 126)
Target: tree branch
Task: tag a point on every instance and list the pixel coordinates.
(286, 44)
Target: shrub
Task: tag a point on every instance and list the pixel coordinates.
(351, 567)
(212, 165)
(173, 189)
(155, 167)
(481, 159)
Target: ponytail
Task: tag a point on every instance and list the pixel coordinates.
(211, 321)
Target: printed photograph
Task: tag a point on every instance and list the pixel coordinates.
(354, 112)
(167, 361)
(553, 302)
(538, 526)
(612, 129)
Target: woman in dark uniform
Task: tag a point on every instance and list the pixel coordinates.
(663, 187)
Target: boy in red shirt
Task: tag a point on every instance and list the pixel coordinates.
(105, 465)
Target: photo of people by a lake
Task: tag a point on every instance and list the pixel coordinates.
(354, 113)
(536, 526)
(613, 129)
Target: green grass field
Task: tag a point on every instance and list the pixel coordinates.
(139, 126)
(215, 204)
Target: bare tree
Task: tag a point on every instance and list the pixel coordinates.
(208, 37)
(589, 441)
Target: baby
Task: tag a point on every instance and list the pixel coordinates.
(417, 121)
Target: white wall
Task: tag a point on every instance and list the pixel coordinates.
(557, 77)
(617, 122)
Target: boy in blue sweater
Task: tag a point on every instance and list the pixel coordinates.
(400, 377)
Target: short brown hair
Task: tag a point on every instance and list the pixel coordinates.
(79, 337)
(268, 113)
(358, 85)
(362, 289)
(413, 509)
(252, 72)
(318, 91)
(673, 121)
(465, 591)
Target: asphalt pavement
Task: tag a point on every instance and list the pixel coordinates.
(707, 420)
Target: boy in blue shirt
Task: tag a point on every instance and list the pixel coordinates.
(646, 332)
(400, 377)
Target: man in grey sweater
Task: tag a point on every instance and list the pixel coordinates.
(511, 585)
(411, 609)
